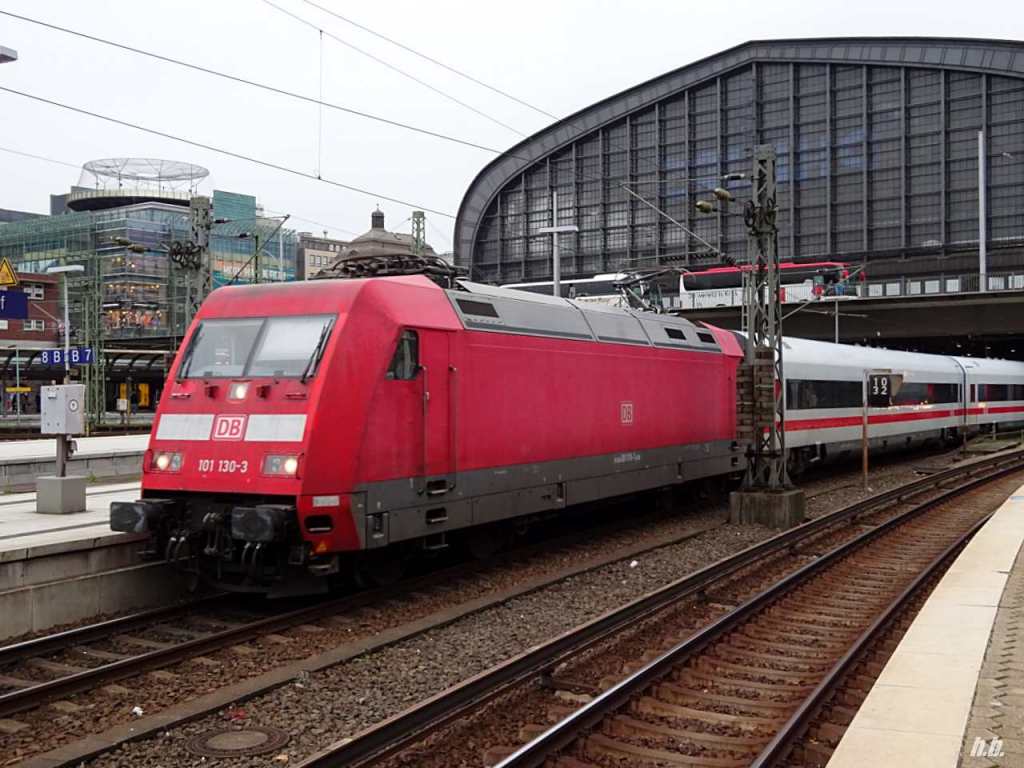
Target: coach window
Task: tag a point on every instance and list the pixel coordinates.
(988, 393)
(809, 394)
(921, 393)
(406, 361)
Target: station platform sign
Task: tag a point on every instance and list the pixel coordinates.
(76, 356)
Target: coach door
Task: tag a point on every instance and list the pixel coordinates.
(438, 427)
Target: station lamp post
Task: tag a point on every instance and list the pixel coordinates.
(66, 270)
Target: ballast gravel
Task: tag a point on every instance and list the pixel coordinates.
(340, 701)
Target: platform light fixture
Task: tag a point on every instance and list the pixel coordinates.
(7, 55)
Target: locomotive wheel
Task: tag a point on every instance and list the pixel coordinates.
(379, 569)
(797, 462)
(192, 580)
(484, 543)
(187, 566)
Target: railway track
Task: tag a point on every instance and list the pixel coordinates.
(40, 670)
(737, 691)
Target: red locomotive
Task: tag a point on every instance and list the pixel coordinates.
(308, 426)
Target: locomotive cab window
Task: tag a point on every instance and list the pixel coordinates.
(220, 348)
(286, 346)
(291, 346)
(405, 363)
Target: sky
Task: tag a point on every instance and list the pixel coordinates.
(558, 56)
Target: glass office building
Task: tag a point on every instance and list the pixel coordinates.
(877, 164)
(135, 294)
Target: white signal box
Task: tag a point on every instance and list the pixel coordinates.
(63, 409)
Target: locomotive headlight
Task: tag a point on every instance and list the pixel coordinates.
(238, 390)
(166, 461)
(281, 465)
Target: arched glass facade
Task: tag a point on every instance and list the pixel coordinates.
(877, 144)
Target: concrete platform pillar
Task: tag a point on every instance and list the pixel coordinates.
(60, 495)
(775, 509)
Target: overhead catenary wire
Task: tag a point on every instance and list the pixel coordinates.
(320, 112)
(222, 151)
(321, 103)
(444, 238)
(40, 157)
(301, 97)
(394, 68)
(431, 59)
(623, 185)
(334, 227)
(457, 71)
(251, 83)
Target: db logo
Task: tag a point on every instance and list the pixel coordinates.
(229, 427)
(626, 413)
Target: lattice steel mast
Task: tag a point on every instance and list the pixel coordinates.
(762, 321)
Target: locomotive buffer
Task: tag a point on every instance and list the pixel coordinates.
(767, 496)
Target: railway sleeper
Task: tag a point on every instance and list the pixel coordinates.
(848, 593)
(675, 693)
(854, 590)
(624, 727)
(711, 678)
(57, 668)
(557, 711)
(8, 681)
(828, 732)
(494, 755)
(567, 761)
(141, 642)
(796, 652)
(767, 632)
(837, 607)
(812, 753)
(802, 620)
(651, 705)
(715, 663)
(735, 654)
(598, 746)
(98, 654)
(735, 741)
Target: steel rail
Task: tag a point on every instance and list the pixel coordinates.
(26, 698)
(563, 733)
(794, 728)
(58, 641)
(22, 699)
(398, 732)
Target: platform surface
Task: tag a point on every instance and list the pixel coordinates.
(25, 450)
(24, 533)
(918, 712)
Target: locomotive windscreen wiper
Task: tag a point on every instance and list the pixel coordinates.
(186, 359)
(318, 352)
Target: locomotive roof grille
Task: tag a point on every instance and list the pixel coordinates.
(506, 310)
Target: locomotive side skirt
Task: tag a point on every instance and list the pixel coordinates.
(393, 511)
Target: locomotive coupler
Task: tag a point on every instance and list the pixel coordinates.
(217, 540)
(157, 517)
